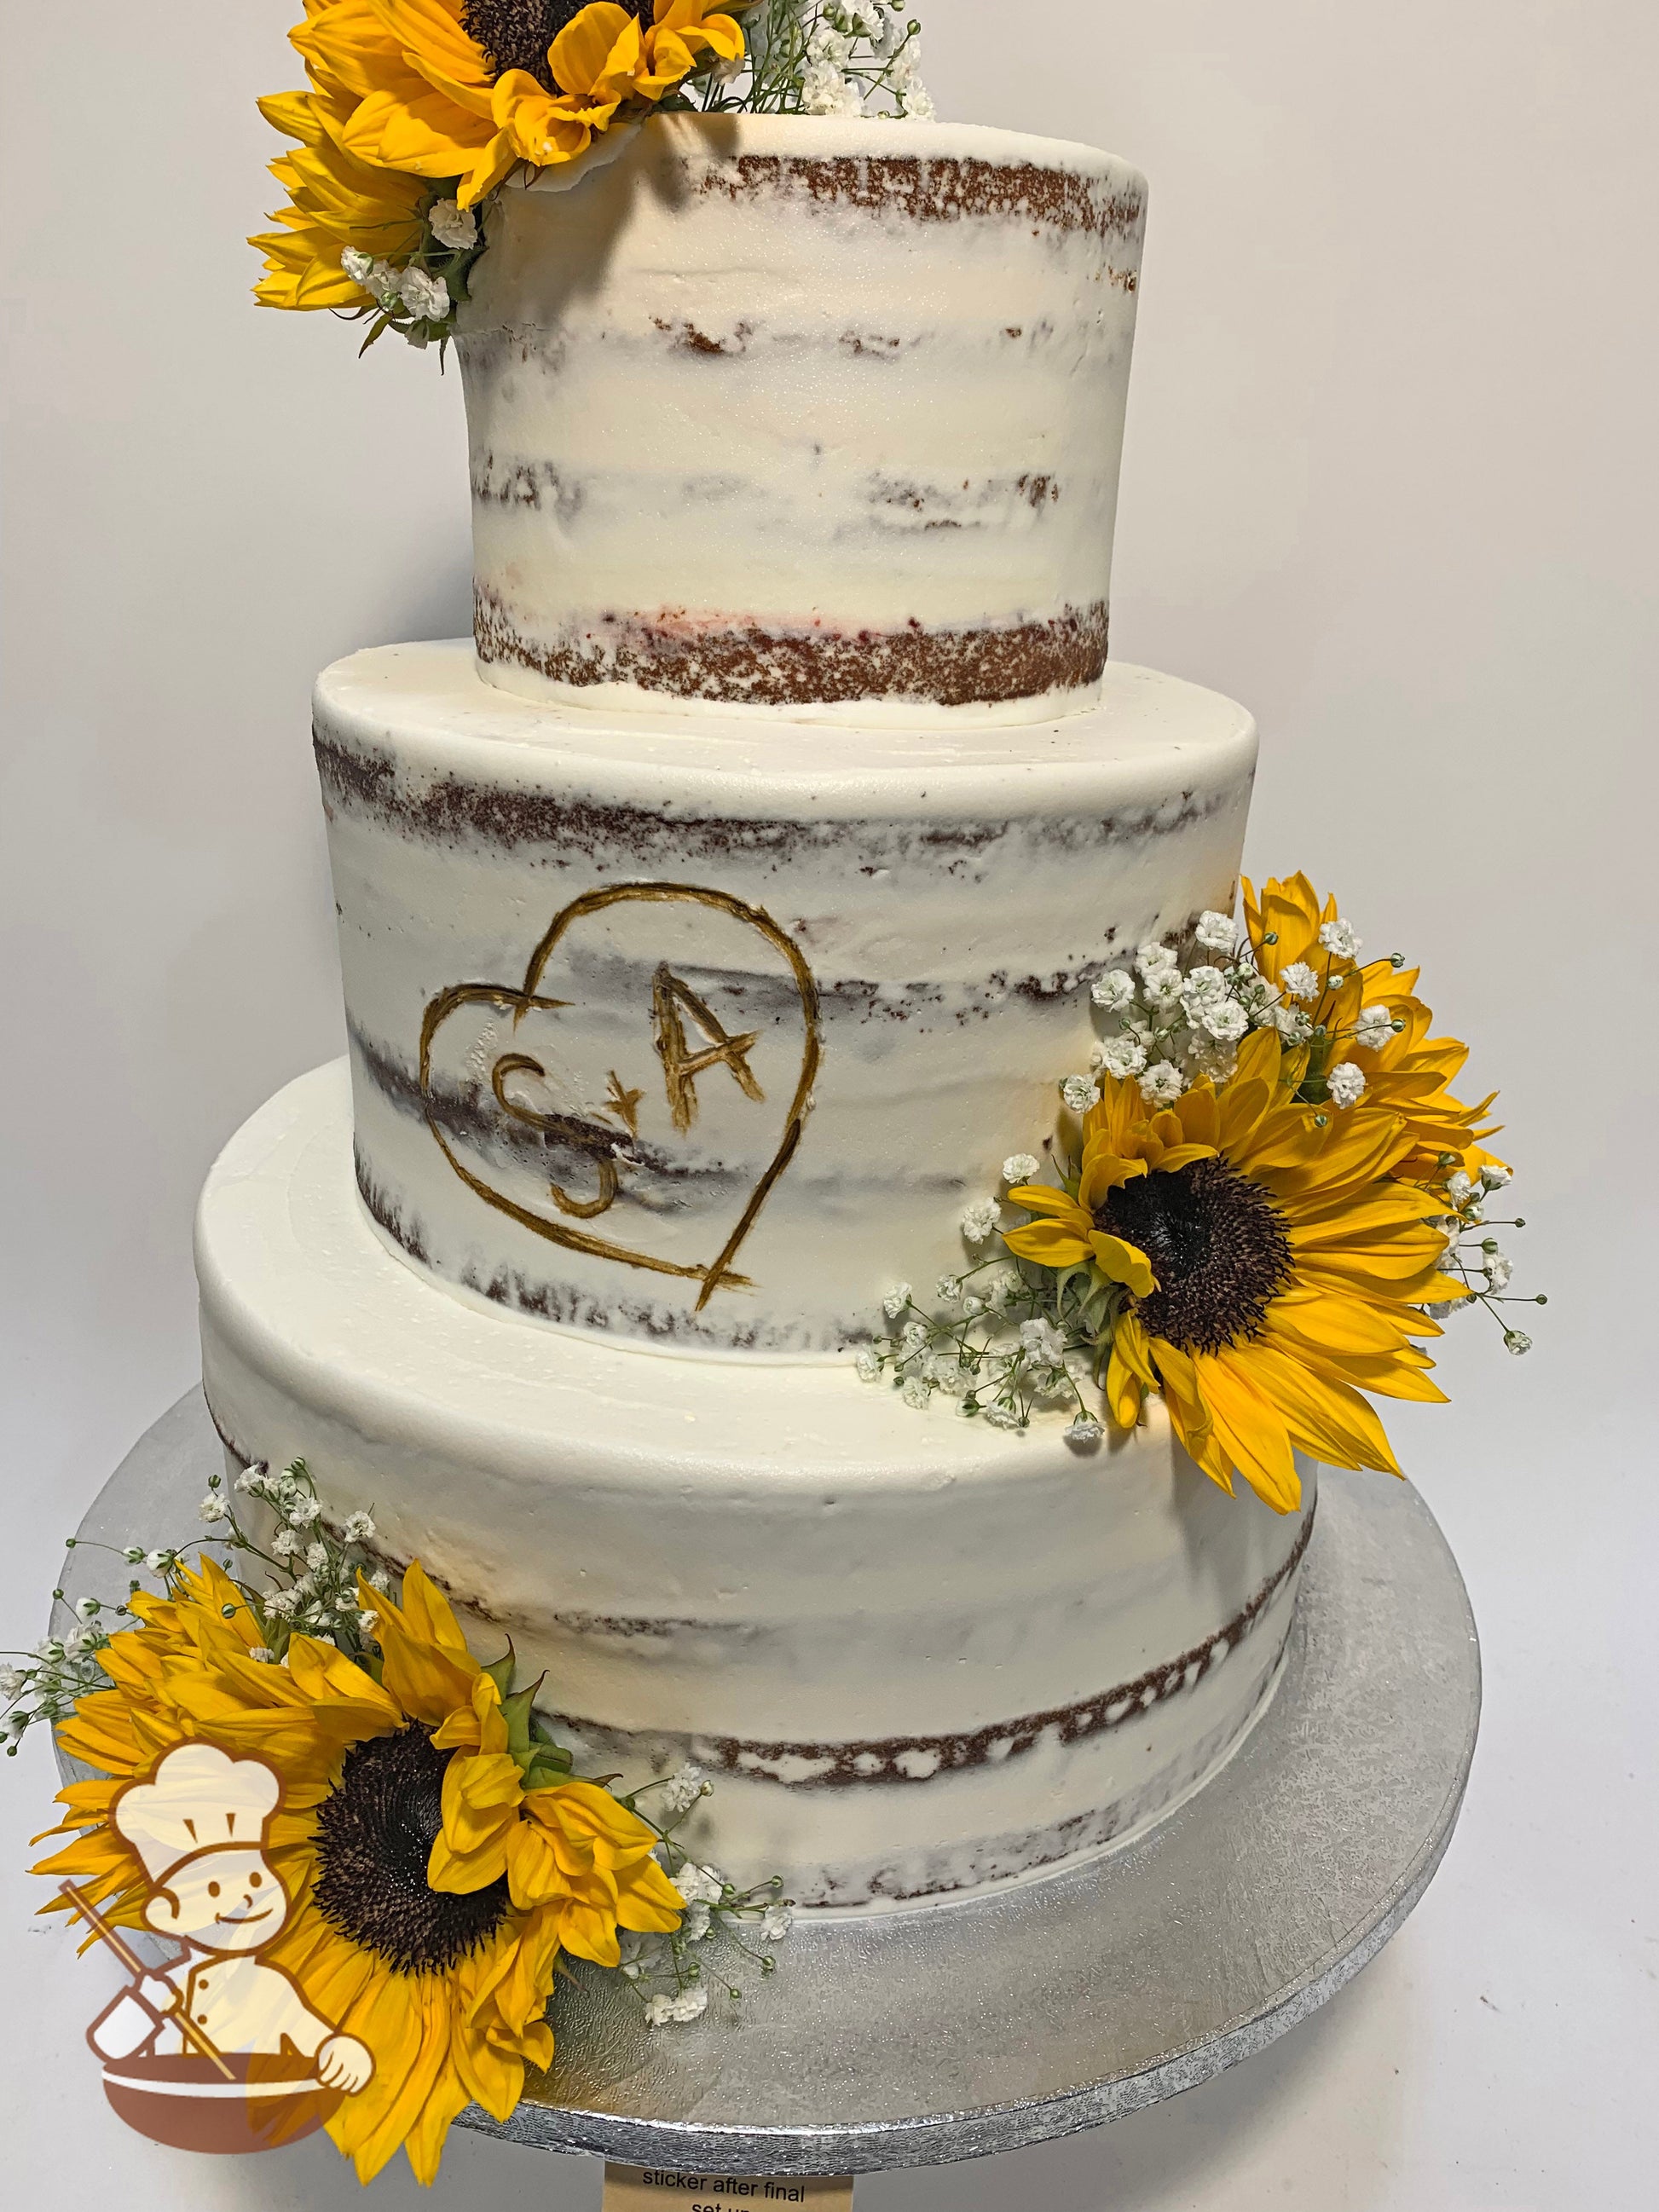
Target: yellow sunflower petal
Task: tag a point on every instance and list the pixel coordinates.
(1120, 1261)
(1051, 1243)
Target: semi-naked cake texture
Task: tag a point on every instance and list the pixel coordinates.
(708, 941)
(694, 1031)
(821, 415)
(915, 1653)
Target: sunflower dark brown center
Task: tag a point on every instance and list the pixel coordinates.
(517, 34)
(1216, 1245)
(375, 1835)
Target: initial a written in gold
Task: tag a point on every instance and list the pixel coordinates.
(673, 1002)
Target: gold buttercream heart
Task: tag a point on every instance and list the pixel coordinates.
(672, 1001)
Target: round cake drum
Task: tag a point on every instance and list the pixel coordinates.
(954, 2030)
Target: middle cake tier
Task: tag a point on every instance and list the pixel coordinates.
(703, 1033)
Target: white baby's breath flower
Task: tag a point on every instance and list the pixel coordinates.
(695, 1923)
(1494, 1176)
(379, 1578)
(916, 1391)
(1373, 1027)
(1225, 1020)
(691, 2004)
(826, 44)
(1460, 1186)
(913, 1335)
(1114, 990)
(1153, 959)
(948, 1289)
(284, 1603)
(1339, 940)
(1020, 1167)
(1080, 1093)
(1084, 1429)
(13, 1682)
(699, 1885)
(88, 1608)
(659, 2010)
(1201, 985)
(134, 1555)
(980, 1219)
(1215, 932)
(1295, 1026)
(1499, 1271)
(50, 1650)
(1346, 1083)
(367, 1623)
(868, 1365)
(451, 224)
(286, 1542)
(1042, 1341)
(683, 1788)
(825, 91)
(356, 266)
(300, 1508)
(252, 1478)
(1002, 1417)
(159, 1562)
(972, 1304)
(775, 1922)
(380, 280)
(1299, 979)
(316, 1558)
(1163, 1084)
(1213, 1058)
(425, 297)
(262, 1654)
(213, 1508)
(895, 1301)
(1122, 1057)
(1517, 1340)
(358, 1528)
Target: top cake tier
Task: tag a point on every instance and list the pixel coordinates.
(806, 414)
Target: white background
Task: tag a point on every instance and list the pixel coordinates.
(1389, 479)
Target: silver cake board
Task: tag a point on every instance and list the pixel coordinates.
(960, 2028)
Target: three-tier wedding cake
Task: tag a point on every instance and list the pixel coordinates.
(711, 925)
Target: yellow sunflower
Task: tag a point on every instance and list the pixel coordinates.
(432, 1891)
(1270, 1267)
(1410, 1073)
(411, 100)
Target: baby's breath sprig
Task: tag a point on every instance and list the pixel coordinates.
(417, 297)
(720, 1922)
(819, 57)
(1474, 1258)
(1006, 1337)
(303, 1580)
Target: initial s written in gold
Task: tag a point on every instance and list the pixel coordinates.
(670, 1002)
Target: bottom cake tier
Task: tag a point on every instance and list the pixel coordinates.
(915, 1655)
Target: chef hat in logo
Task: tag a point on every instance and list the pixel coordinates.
(200, 1800)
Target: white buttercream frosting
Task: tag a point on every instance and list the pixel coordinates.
(916, 1654)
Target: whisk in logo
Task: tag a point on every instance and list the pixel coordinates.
(217, 2049)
